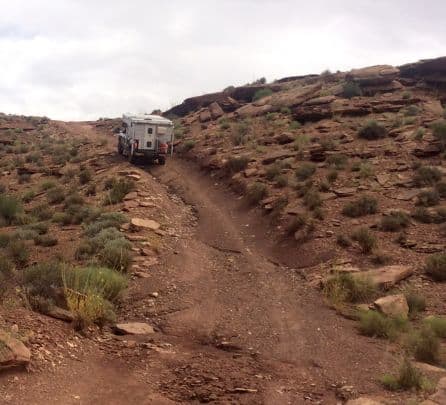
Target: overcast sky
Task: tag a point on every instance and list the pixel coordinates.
(84, 59)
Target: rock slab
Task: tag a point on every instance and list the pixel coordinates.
(140, 223)
(133, 328)
(393, 305)
(387, 276)
(13, 352)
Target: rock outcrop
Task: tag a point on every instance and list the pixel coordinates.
(13, 352)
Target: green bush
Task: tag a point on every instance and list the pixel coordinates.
(5, 238)
(396, 221)
(439, 132)
(240, 133)
(116, 255)
(372, 130)
(42, 279)
(55, 195)
(364, 205)
(237, 163)
(10, 208)
(427, 176)
(338, 161)
(105, 220)
(365, 238)
(332, 176)
(436, 266)
(6, 267)
(344, 287)
(261, 93)
(119, 190)
(45, 240)
(421, 214)
(28, 196)
(351, 89)
(437, 325)
(47, 184)
(305, 171)
(408, 378)
(375, 324)
(415, 301)
(42, 212)
(428, 198)
(256, 192)
(440, 187)
(18, 251)
(424, 345)
(312, 199)
(85, 176)
(295, 125)
(188, 145)
(343, 240)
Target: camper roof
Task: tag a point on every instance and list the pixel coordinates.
(146, 119)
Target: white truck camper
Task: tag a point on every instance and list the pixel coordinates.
(146, 135)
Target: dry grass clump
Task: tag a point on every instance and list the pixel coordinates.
(364, 205)
(256, 192)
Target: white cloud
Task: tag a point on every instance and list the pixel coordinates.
(79, 59)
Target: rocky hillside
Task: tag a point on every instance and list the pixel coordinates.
(348, 169)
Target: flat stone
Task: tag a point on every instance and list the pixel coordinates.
(440, 396)
(387, 276)
(140, 223)
(133, 328)
(146, 204)
(60, 313)
(363, 401)
(272, 157)
(13, 352)
(429, 368)
(393, 305)
(383, 178)
(131, 196)
(345, 191)
(406, 195)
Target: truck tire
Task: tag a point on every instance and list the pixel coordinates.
(162, 160)
(131, 156)
(120, 147)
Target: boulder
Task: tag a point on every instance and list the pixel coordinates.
(345, 191)
(13, 352)
(140, 223)
(284, 138)
(393, 305)
(320, 100)
(228, 104)
(205, 115)
(272, 157)
(133, 328)
(60, 313)
(295, 96)
(373, 75)
(251, 110)
(432, 71)
(387, 276)
(216, 110)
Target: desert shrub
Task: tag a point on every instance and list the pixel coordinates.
(332, 176)
(91, 190)
(55, 195)
(428, 198)
(372, 130)
(119, 190)
(437, 325)
(365, 170)
(415, 301)
(439, 132)
(380, 258)
(18, 251)
(312, 199)
(105, 220)
(327, 144)
(338, 161)
(424, 345)
(41, 228)
(427, 176)
(364, 205)
(343, 240)
(256, 192)
(351, 89)
(6, 266)
(224, 123)
(261, 93)
(42, 212)
(273, 171)
(303, 188)
(395, 221)
(188, 145)
(43, 278)
(411, 111)
(305, 171)
(375, 324)
(5, 238)
(343, 287)
(440, 187)
(324, 187)
(281, 180)
(295, 125)
(300, 141)
(419, 134)
(421, 214)
(116, 254)
(45, 240)
(436, 266)
(240, 133)
(408, 378)
(84, 250)
(33, 157)
(73, 199)
(90, 292)
(237, 163)
(365, 238)
(24, 178)
(28, 196)
(85, 176)
(10, 208)
(296, 223)
(47, 184)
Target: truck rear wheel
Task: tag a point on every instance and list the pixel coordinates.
(120, 147)
(162, 160)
